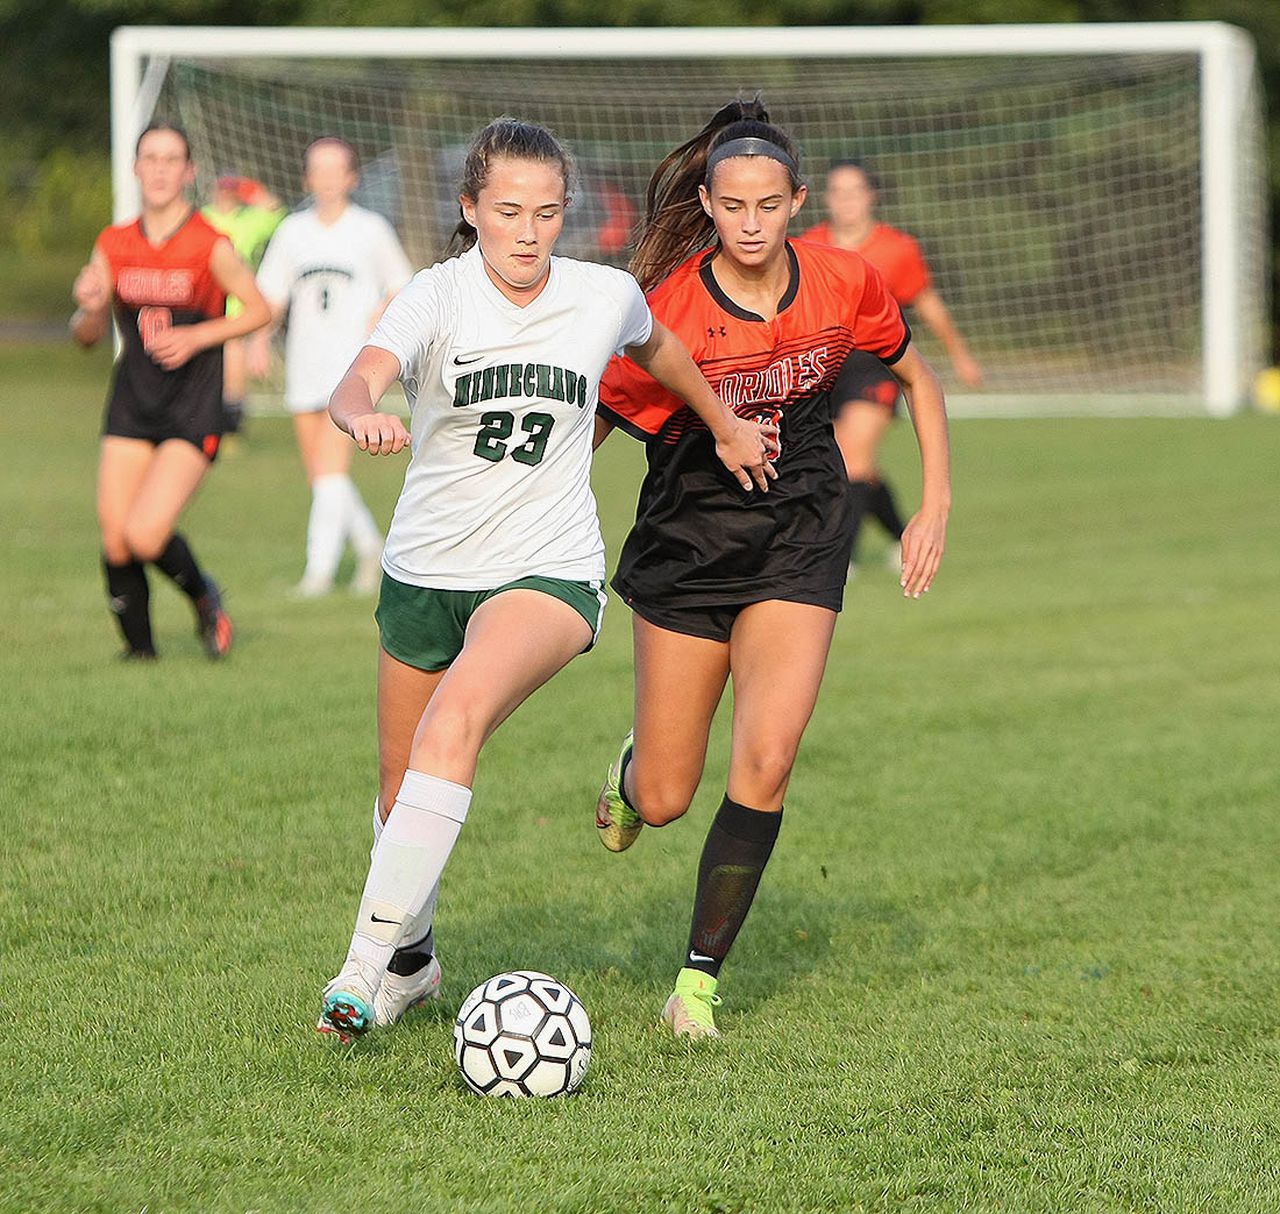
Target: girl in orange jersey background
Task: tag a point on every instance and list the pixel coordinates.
(724, 584)
(167, 275)
(866, 394)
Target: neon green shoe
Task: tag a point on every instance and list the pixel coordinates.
(616, 821)
(689, 1010)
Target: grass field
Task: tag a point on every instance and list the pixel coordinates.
(1017, 950)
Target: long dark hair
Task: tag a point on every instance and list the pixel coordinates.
(675, 226)
(516, 140)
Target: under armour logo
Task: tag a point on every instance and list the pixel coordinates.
(711, 331)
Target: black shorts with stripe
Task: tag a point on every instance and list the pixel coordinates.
(155, 409)
(865, 377)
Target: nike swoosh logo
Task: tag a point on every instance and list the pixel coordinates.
(700, 957)
(376, 919)
(466, 362)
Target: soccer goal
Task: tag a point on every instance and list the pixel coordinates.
(1090, 197)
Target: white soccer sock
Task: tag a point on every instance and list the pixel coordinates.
(377, 826)
(407, 862)
(358, 522)
(326, 527)
(415, 926)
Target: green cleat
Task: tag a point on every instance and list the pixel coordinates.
(616, 821)
(689, 1010)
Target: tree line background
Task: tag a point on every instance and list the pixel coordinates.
(54, 85)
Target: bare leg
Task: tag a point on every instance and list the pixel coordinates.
(171, 480)
(679, 682)
(778, 653)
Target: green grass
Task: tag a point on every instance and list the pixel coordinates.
(1017, 950)
(36, 289)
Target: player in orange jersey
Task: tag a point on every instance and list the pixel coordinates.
(725, 584)
(167, 275)
(866, 394)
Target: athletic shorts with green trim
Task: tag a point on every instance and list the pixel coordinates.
(425, 628)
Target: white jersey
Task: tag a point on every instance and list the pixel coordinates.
(332, 278)
(504, 404)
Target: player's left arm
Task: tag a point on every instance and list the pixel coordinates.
(173, 347)
(744, 447)
(925, 536)
(930, 308)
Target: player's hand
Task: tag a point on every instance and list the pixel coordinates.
(91, 291)
(171, 348)
(257, 359)
(745, 449)
(923, 543)
(379, 433)
(966, 367)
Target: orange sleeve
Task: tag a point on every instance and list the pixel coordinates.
(913, 272)
(878, 324)
(633, 400)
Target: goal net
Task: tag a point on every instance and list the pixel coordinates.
(1089, 198)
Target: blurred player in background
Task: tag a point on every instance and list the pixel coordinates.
(724, 584)
(168, 274)
(332, 268)
(247, 213)
(494, 568)
(866, 394)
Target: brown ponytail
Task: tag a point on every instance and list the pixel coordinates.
(515, 140)
(675, 226)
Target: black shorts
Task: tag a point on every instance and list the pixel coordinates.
(865, 377)
(187, 405)
(715, 623)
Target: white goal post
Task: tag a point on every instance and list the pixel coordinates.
(1090, 196)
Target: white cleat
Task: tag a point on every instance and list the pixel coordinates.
(311, 588)
(400, 994)
(348, 1004)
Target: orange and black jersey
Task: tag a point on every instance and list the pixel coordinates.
(155, 287)
(699, 538)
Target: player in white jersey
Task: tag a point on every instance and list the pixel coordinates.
(332, 268)
(494, 568)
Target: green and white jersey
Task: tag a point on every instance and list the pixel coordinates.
(332, 277)
(503, 402)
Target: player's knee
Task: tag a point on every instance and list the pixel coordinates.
(451, 734)
(764, 770)
(145, 541)
(660, 799)
(114, 546)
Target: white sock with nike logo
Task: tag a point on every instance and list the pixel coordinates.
(407, 862)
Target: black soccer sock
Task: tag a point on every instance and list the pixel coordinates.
(882, 505)
(130, 600)
(733, 858)
(412, 957)
(859, 499)
(232, 416)
(177, 562)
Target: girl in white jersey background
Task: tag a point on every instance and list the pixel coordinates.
(494, 565)
(332, 267)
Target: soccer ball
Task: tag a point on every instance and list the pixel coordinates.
(522, 1034)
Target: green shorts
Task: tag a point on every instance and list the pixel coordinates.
(426, 628)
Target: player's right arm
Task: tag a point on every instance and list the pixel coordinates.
(353, 405)
(92, 295)
(275, 280)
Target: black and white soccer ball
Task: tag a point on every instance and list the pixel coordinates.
(522, 1034)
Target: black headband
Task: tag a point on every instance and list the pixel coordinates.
(749, 145)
